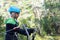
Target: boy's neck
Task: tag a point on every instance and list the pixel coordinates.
(14, 18)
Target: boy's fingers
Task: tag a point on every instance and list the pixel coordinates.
(15, 28)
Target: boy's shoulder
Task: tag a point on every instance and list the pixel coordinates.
(10, 20)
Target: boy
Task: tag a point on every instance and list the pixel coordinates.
(11, 23)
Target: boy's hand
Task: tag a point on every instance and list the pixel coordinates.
(15, 28)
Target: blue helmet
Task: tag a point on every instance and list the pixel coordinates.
(14, 9)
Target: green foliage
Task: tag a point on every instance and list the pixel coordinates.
(1, 23)
(47, 22)
(2, 29)
(1, 20)
(52, 5)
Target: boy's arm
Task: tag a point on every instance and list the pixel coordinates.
(9, 27)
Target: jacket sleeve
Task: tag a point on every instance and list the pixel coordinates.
(9, 27)
(23, 32)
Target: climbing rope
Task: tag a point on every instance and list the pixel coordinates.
(28, 36)
(6, 31)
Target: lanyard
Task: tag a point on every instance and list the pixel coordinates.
(6, 31)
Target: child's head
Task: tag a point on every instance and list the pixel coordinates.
(14, 11)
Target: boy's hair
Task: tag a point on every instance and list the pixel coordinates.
(14, 12)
